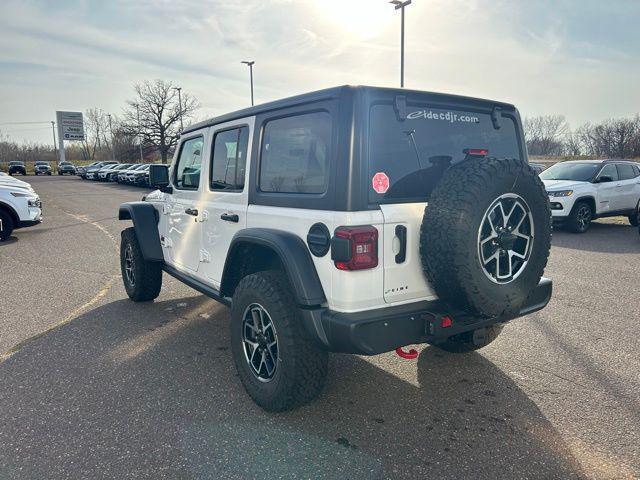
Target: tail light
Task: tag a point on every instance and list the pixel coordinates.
(355, 248)
(476, 152)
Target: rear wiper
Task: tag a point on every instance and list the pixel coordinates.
(410, 134)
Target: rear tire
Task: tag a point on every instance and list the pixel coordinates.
(142, 279)
(470, 341)
(580, 217)
(299, 368)
(6, 225)
(634, 218)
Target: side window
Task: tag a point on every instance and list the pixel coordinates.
(295, 154)
(625, 171)
(609, 171)
(229, 159)
(187, 176)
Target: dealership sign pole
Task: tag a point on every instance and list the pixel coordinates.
(70, 127)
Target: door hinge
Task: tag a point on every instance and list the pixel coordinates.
(204, 256)
(166, 209)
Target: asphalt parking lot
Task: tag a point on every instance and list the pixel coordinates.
(95, 386)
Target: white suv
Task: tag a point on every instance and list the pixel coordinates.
(580, 191)
(309, 217)
(20, 207)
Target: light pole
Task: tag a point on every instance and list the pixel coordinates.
(400, 6)
(180, 106)
(113, 151)
(250, 63)
(53, 130)
(139, 132)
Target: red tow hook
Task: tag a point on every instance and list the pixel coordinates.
(410, 355)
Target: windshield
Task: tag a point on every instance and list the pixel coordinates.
(579, 172)
(16, 163)
(41, 163)
(414, 154)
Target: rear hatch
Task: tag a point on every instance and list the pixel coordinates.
(412, 142)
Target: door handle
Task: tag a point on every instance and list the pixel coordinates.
(401, 233)
(230, 217)
(191, 211)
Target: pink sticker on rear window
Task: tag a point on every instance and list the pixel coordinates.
(380, 182)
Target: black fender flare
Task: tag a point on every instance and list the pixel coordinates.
(292, 253)
(145, 223)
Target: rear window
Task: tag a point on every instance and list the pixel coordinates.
(295, 154)
(413, 154)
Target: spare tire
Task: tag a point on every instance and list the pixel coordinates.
(486, 235)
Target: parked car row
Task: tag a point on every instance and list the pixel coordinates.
(126, 173)
(41, 167)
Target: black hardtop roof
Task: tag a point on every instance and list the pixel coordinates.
(335, 92)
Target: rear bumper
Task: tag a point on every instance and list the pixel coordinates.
(382, 330)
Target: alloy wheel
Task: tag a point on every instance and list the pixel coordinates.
(128, 265)
(505, 238)
(260, 342)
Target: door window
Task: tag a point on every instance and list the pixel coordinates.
(187, 176)
(295, 154)
(609, 171)
(229, 159)
(625, 171)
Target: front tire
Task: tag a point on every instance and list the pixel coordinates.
(580, 218)
(142, 279)
(282, 375)
(634, 218)
(6, 225)
(471, 341)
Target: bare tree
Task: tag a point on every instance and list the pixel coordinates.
(96, 125)
(545, 134)
(159, 115)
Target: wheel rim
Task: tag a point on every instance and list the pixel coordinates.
(260, 342)
(128, 265)
(505, 238)
(583, 216)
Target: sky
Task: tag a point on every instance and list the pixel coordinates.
(578, 58)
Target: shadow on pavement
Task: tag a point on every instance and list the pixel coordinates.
(601, 237)
(9, 241)
(149, 390)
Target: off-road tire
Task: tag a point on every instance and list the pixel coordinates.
(634, 218)
(573, 222)
(450, 230)
(470, 341)
(147, 275)
(6, 225)
(301, 366)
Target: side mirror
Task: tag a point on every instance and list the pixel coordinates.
(605, 179)
(159, 178)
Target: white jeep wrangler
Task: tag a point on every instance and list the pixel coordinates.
(355, 220)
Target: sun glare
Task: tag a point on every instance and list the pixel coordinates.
(361, 19)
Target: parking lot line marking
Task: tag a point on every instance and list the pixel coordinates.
(74, 314)
(82, 308)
